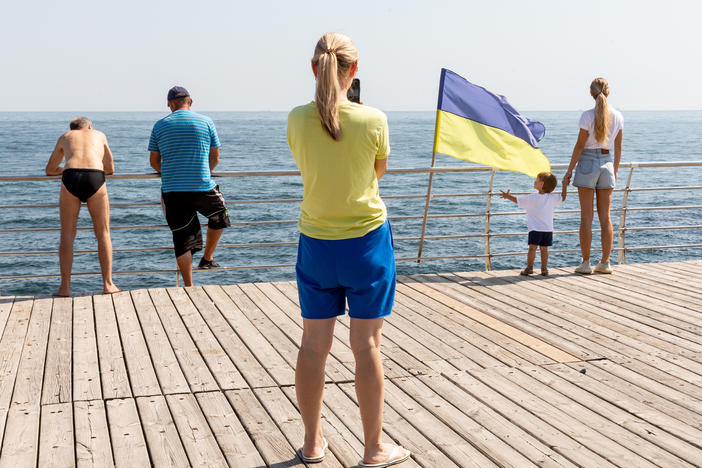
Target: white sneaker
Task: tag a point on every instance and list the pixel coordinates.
(584, 268)
(603, 268)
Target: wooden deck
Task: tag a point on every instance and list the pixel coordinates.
(483, 369)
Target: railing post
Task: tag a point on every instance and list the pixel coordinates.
(486, 239)
(621, 238)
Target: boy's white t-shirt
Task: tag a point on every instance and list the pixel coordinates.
(539, 209)
(587, 122)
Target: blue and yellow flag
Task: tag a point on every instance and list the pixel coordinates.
(476, 125)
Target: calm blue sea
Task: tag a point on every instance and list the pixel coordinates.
(256, 141)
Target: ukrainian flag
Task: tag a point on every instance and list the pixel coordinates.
(475, 125)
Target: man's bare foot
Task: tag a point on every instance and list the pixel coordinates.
(110, 289)
(61, 293)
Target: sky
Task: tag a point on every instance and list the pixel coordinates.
(87, 56)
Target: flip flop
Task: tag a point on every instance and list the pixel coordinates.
(393, 459)
(318, 458)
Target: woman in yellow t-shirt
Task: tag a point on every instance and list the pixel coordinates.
(345, 251)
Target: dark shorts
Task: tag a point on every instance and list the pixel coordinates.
(181, 208)
(82, 183)
(359, 270)
(541, 238)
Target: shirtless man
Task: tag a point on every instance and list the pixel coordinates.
(88, 159)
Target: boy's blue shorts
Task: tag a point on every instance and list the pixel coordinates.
(359, 270)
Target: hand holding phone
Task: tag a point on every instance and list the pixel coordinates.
(354, 92)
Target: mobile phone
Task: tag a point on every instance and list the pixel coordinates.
(354, 92)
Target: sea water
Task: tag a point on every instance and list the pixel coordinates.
(257, 142)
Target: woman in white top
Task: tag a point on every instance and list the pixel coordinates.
(596, 172)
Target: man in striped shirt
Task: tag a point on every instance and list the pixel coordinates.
(184, 149)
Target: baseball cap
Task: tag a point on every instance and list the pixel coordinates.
(177, 92)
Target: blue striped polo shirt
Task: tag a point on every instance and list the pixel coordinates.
(184, 139)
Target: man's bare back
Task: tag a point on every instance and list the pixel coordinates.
(83, 148)
(88, 159)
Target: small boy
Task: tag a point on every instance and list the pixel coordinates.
(539, 210)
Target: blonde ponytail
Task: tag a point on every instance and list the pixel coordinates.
(599, 89)
(333, 57)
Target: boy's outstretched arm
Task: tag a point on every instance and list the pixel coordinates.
(508, 196)
(564, 192)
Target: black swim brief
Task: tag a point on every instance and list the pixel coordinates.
(83, 183)
(181, 208)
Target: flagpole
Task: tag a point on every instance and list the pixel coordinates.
(431, 179)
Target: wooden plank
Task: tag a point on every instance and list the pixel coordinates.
(636, 392)
(485, 346)
(10, 352)
(253, 372)
(198, 440)
(500, 346)
(86, 370)
(656, 381)
(566, 416)
(142, 375)
(5, 308)
(161, 434)
(522, 441)
(113, 372)
(170, 376)
(128, 444)
(643, 409)
(660, 447)
(276, 311)
(21, 442)
(58, 384)
(93, 445)
(197, 373)
(288, 420)
(222, 367)
(449, 441)
(509, 406)
(637, 309)
(250, 338)
(445, 295)
(588, 321)
(231, 436)
(56, 444)
(270, 442)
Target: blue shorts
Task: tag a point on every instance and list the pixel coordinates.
(594, 170)
(543, 238)
(359, 270)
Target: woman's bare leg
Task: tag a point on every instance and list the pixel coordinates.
(317, 336)
(604, 201)
(586, 196)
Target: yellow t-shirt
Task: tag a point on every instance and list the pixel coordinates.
(340, 198)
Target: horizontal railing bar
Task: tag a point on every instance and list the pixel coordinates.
(423, 170)
(392, 218)
(403, 259)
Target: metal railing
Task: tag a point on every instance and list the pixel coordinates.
(486, 235)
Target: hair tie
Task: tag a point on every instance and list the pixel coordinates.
(331, 51)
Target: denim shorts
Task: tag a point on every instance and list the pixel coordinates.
(594, 170)
(359, 270)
